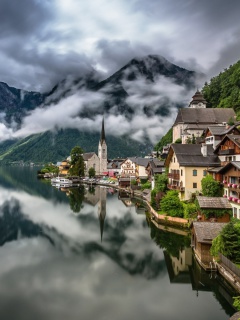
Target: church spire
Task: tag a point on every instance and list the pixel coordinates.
(102, 133)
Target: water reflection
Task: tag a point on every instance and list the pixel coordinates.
(84, 253)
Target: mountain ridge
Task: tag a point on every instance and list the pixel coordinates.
(147, 69)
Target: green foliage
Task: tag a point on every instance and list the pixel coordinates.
(228, 242)
(223, 90)
(167, 139)
(146, 185)
(134, 182)
(56, 145)
(77, 162)
(153, 199)
(189, 210)
(211, 187)
(91, 172)
(179, 140)
(161, 181)
(236, 302)
(50, 168)
(171, 204)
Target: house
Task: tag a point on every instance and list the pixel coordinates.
(230, 175)
(64, 167)
(154, 167)
(91, 160)
(114, 167)
(202, 235)
(214, 205)
(192, 121)
(214, 134)
(228, 149)
(187, 165)
(134, 167)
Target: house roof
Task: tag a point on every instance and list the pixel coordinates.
(87, 156)
(139, 161)
(207, 231)
(213, 202)
(220, 129)
(191, 155)
(235, 164)
(206, 116)
(233, 137)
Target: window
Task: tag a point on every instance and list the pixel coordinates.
(204, 173)
(181, 173)
(194, 185)
(194, 173)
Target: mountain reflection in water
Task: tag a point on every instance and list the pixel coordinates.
(89, 252)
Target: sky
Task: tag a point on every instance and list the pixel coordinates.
(45, 41)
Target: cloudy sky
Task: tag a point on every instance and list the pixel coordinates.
(42, 41)
(45, 41)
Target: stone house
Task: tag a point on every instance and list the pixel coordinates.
(91, 160)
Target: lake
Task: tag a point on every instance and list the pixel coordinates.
(87, 253)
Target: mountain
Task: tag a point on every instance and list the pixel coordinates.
(55, 145)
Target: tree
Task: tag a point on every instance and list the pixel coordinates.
(161, 181)
(77, 162)
(171, 204)
(91, 172)
(228, 242)
(211, 187)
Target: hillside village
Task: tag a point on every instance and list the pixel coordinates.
(210, 144)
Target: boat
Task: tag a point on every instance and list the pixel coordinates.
(61, 181)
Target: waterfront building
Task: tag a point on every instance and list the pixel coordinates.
(102, 151)
(188, 164)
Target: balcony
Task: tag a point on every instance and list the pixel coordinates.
(174, 176)
(226, 151)
(175, 187)
(231, 185)
(232, 199)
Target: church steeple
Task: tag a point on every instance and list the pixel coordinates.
(102, 138)
(102, 150)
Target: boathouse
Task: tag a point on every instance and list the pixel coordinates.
(202, 235)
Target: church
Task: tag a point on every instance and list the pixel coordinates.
(193, 120)
(98, 162)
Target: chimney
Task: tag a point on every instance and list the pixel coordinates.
(204, 149)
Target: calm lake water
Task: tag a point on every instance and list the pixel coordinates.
(86, 254)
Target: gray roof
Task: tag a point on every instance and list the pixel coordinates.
(140, 161)
(207, 231)
(191, 155)
(235, 138)
(206, 116)
(213, 202)
(196, 126)
(219, 130)
(87, 156)
(235, 164)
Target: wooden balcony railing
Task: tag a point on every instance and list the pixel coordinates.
(174, 176)
(175, 187)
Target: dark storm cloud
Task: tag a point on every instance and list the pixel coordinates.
(44, 41)
(22, 18)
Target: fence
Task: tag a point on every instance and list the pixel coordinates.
(230, 265)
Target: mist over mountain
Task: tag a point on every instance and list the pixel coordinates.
(139, 103)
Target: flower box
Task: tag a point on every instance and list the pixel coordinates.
(229, 184)
(235, 199)
(224, 196)
(230, 198)
(239, 201)
(234, 185)
(224, 181)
